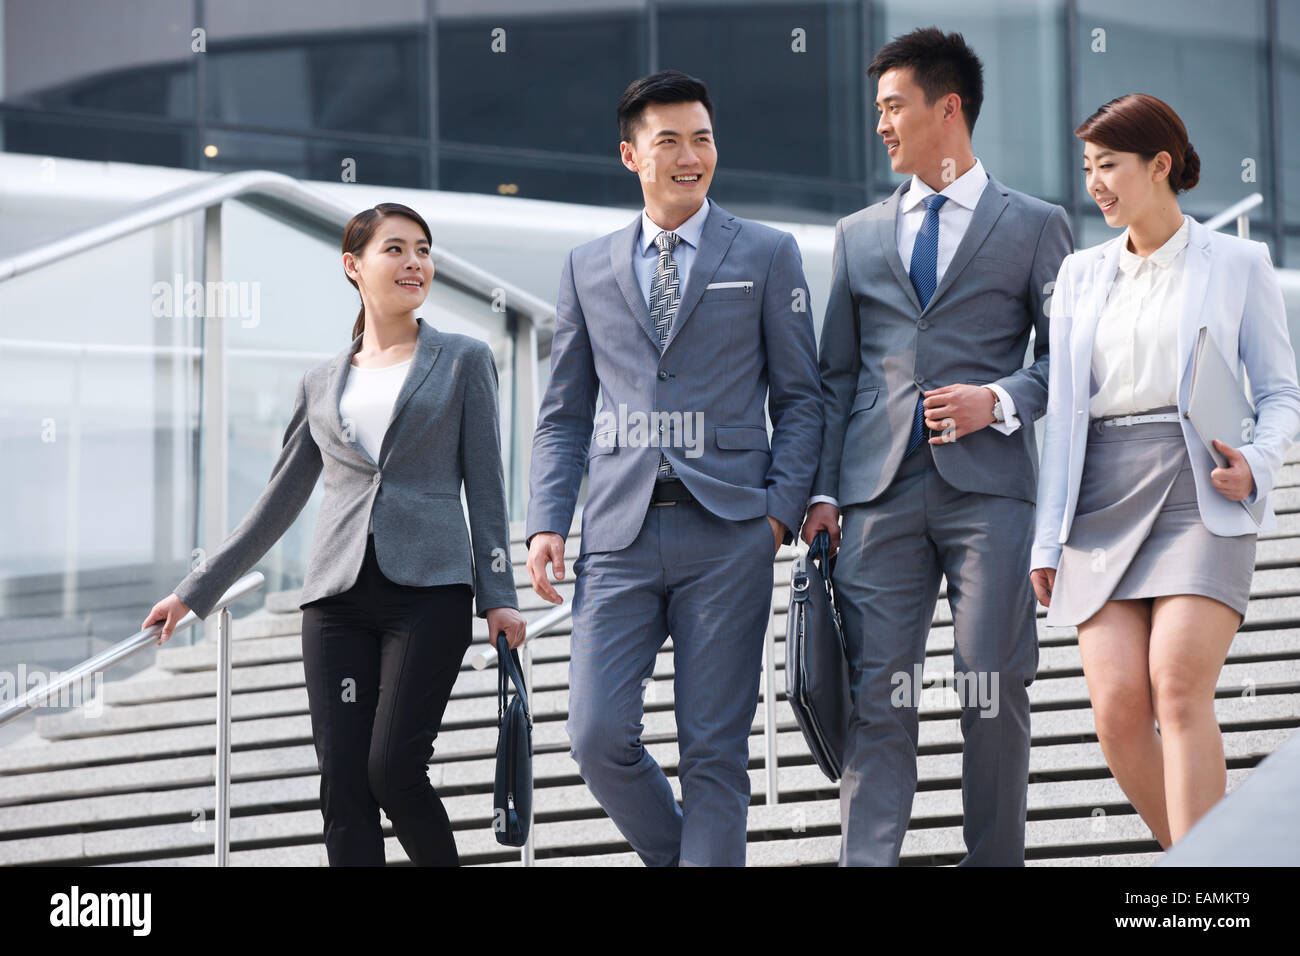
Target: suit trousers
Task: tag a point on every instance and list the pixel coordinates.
(380, 660)
(707, 581)
(892, 553)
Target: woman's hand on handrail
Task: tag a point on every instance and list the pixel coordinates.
(168, 612)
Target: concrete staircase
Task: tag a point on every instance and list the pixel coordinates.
(133, 786)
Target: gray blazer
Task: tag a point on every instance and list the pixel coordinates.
(444, 431)
(742, 338)
(880, 349)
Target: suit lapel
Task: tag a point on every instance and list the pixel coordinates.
(338, 379)
(887, 235)
(1084, 329)
(993, 200)
(426, 354)
(719, 231)
(623, 251)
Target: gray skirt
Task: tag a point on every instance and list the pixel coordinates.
(1137, 530)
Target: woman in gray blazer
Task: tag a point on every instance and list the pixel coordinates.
(397, 423)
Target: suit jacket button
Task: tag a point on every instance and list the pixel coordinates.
(663, 376)
(923, 324)
(375, 480)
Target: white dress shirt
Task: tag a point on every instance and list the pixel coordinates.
(954, 216)
(1135, 350)
(366, 405)
(688, 232)
(954, 219)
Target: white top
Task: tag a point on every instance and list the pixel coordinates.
(1135, 351)
(367, 403)
(366, 406)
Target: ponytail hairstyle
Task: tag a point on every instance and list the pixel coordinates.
(1142, 124)
(361, 229)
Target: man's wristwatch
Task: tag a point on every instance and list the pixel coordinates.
(997, 408)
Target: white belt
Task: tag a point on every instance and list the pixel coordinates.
(1140, 419)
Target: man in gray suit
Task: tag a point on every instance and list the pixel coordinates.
(929, 451)
(685, 322)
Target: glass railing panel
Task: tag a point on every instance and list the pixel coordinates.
(99, 390)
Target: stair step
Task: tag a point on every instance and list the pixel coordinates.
(134, 785)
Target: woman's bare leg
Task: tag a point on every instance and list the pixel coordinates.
(1190, 635)
(1113, 645)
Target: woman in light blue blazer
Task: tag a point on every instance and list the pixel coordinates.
(396, 423)
(1141, 542)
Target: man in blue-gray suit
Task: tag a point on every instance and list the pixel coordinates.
(929, 452)
(685, 322)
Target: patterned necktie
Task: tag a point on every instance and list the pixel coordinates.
(665, 293)
(924, 275)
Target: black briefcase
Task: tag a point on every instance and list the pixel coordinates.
(512, 797)
(816, 662)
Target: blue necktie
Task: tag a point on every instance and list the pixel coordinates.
(924, 275)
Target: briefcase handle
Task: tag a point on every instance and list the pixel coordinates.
(819, 551)
(510, 671)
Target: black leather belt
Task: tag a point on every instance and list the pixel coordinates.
(669, 491)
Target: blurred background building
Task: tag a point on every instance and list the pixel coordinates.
(494, 118)
(517, 97)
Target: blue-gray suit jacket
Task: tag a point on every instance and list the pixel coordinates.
(742, 338)
(444, 431)
(880, 349)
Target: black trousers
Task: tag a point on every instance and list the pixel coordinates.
(380, 660)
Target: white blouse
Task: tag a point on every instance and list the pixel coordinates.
(1135, 351)
(367, 402)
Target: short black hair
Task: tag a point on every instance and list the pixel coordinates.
(941, 63)
(666, 86)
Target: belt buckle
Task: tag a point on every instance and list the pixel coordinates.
(660, 504)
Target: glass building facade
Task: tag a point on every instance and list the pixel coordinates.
(517, 97)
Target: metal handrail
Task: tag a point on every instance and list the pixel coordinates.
(486, 656)
(118, 652)
(314, 214)
(1238, 212)
(283, 198)
(139, 641)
